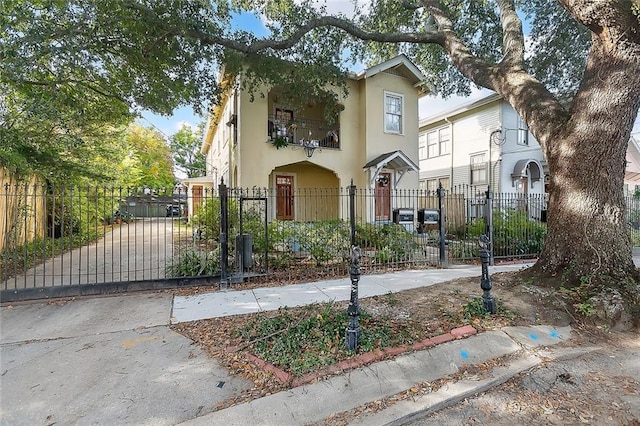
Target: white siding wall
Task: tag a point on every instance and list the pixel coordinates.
(469, 133)
(513, 151)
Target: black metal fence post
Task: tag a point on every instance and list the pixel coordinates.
(489, 223)
(442, 235)
(353, 310)
(352, 212)
(224, 230)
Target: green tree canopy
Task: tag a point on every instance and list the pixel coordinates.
(147, 162)
(185, 148)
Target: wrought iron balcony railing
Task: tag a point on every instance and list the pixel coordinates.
(304, 131)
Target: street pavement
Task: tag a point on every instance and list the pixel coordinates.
(115, 360)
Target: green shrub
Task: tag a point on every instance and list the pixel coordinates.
(514, 234)
(193, 263)
(324, 240)
(392, 242)
(208, 218)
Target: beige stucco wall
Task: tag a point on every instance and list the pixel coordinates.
(379, 142)
(252, 161)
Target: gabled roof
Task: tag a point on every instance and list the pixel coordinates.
(408, 68)
(396, 160)
(469, 106)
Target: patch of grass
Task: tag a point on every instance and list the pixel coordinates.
(314, 336)
(475, 310)
(585, 309)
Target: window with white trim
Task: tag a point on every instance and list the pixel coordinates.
(438, 142)
(523, 132)
(434, 184)
(393, 109)
(479, 169)
(422, 145)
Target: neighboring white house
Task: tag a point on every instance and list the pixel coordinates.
(482, 143)
(632, 171)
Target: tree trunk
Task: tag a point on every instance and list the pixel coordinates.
(588, 238)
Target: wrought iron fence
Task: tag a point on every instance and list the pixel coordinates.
(83, 240)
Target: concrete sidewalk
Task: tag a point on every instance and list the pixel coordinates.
(114, 360)
(225, 303)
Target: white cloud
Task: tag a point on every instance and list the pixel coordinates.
(180, 124)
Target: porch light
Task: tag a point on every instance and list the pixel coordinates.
(309, 146)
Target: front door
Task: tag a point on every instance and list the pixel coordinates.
(196, 194)
(284, 197)
(383, 196)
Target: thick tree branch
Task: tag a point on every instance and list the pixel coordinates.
(475, 69)
(324, 21)
(610, 20)
(512, 35)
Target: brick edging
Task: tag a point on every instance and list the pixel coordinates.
(360, 360)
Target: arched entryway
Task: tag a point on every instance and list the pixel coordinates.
(305, 191)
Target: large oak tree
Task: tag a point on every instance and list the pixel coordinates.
(575, 80)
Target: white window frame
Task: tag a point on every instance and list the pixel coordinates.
(400, 97)
(432, 184)
(422, 145)
(523, 132)
(438, 142)
(479, 165)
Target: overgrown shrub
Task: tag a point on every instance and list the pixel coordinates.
(324, 241)
(193, 263)
(514, 234)
(391, 242)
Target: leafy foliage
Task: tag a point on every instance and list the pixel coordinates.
(193, 263)
(148, 160)
(323, 240)
(316, 338)
(393, 243)
(514, 234)
(185, 148)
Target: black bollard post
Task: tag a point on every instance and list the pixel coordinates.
(485, 280)
(353, 329)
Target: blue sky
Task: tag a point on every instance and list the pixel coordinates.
(428, 105)
(185, 115)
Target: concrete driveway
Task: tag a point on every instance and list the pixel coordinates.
(136, 251)
(109, 360)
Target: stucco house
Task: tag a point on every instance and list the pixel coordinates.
(265, 142)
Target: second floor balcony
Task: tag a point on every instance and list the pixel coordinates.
(302, 131)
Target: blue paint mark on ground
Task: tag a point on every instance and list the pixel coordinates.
(554, 334)
(533, 336)
(464, 354)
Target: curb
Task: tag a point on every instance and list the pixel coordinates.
(453, 393)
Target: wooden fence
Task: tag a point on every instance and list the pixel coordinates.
(24, 217)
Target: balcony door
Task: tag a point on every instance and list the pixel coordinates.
(284, 197)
